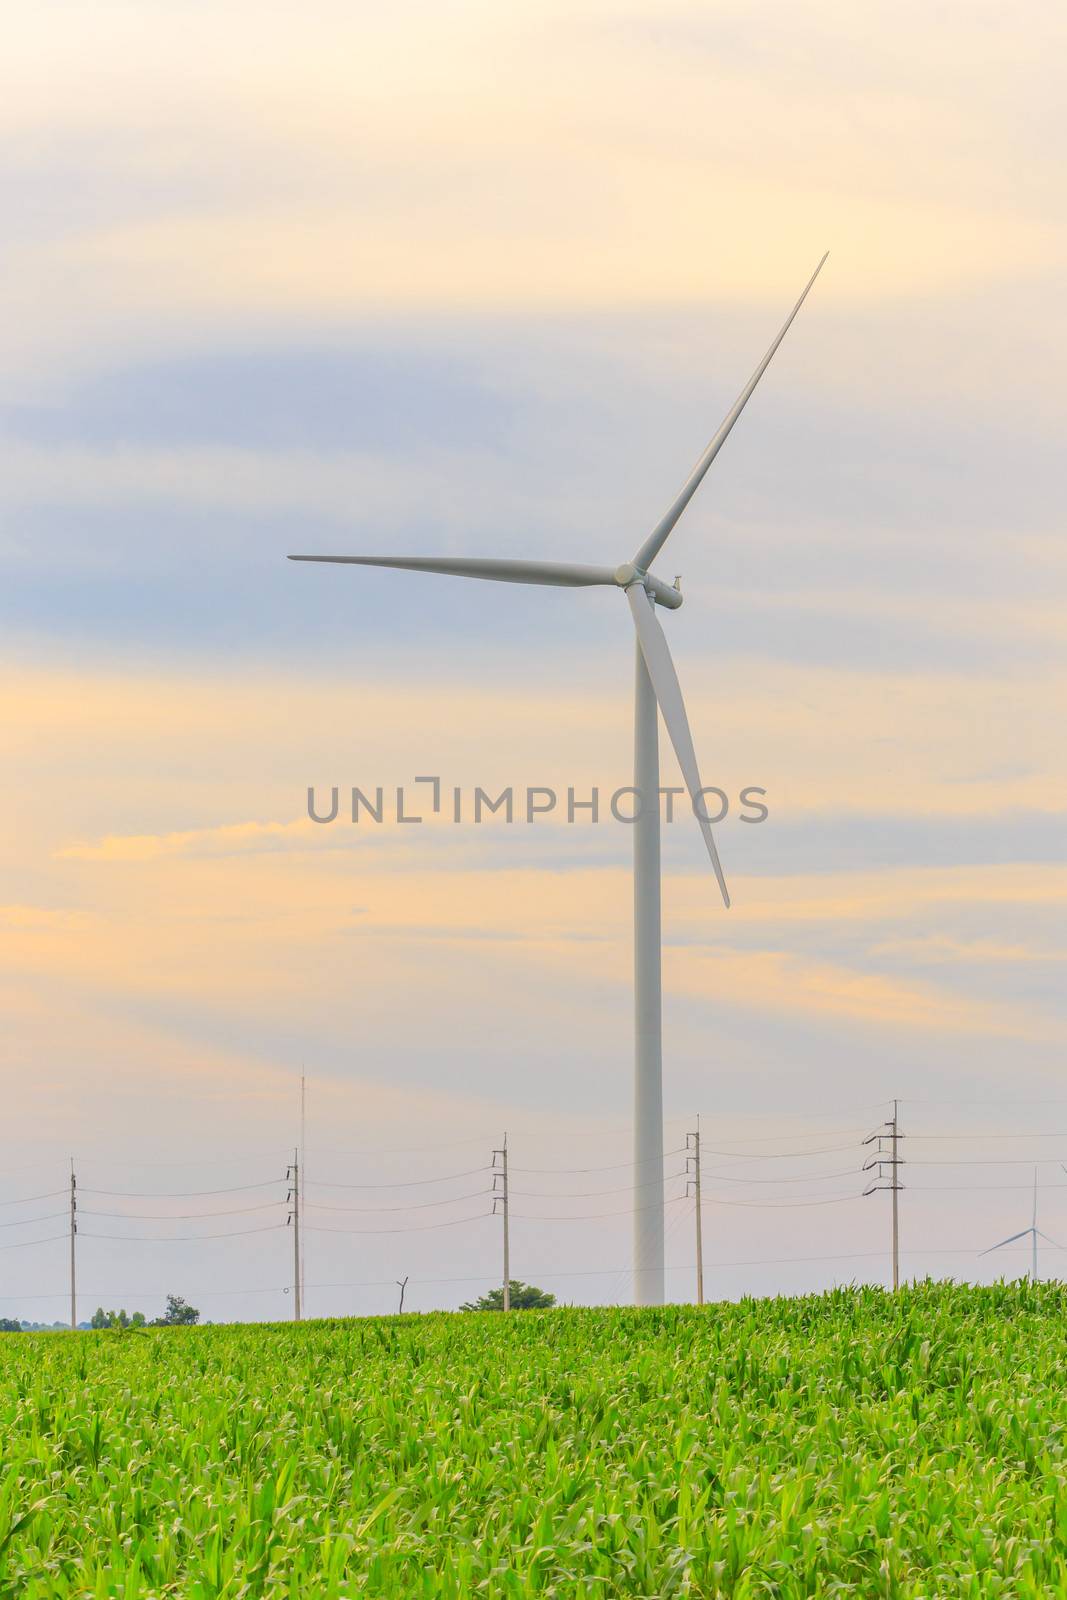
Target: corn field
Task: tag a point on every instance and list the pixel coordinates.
(849, 1443)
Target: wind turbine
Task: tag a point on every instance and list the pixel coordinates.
(656, 683)
(1033, 1232)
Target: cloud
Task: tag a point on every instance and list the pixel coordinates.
(892, 894)
(261, 926)
(787, 982)
(269, 262)
(348, 488)
(228, 839)
(969, 614)
(44, 919)
(490, 170)
(936, 949)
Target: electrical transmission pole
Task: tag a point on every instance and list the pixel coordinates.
(73, 1233)
(500, 1176)
(293, 1174)
(303, 1167)
(895, 1168)
(887, 1156)
(692, 1186)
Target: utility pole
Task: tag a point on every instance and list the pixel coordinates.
(401, 1284)
(303, 1167)
(887, 1156)
(73, 1233)
(500, 1176)
(293, 1174)
(895, 1160)
(692, 1186)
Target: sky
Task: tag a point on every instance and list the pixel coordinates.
(483, 281)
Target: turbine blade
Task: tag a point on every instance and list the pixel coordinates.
(1047, 1240)
(558, 574)
(658, 537)
(657, 656)
(1024, 1235)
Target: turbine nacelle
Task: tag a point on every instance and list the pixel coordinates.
(664, 594)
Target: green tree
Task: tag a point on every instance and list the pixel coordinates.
(9, 1325)
(524, 1297)
(179, 1314)
(116, 1319)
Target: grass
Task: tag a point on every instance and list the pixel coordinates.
(849, 1443)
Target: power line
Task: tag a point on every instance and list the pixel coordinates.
(587, 1194)
(782, 1205)
(388, 1198)
(592, 1216)
(727, 1155)
(27, 1199)
(194, 1161)
(400, 1183)
(422, 1227)
(178, 1238)
(971, 1137)
(975, 1188)
(178, 1194)
(415, 1205)
(730, 1178)
(779, 1155)
(985, 1161)
(24, 1222)
(802, 1177)
(708, 1200)
(178, 1216)
(404, 1150)
(910, 1101)
(792, 1116)
(27, 1244)
(485, 1277)
(616, 1166)
(793, 1133)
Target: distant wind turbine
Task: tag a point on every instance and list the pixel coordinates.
(1033, 1233)
(656, 684)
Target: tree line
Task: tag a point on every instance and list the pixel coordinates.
(178, 1314)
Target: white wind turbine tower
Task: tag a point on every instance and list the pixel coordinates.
(1033, 1233)
(656, 684)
